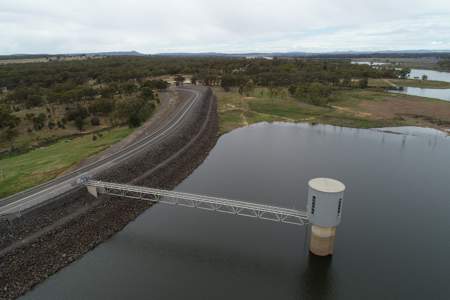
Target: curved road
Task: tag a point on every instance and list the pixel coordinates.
(20, 202)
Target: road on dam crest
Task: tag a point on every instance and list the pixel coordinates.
(17, 204)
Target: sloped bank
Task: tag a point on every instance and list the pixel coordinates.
(61, 232)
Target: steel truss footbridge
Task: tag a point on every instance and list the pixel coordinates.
(222, 205)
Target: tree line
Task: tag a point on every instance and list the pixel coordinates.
(123, 89)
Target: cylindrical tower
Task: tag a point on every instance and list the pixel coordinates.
(325, 200)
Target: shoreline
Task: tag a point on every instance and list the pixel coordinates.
(363, 108)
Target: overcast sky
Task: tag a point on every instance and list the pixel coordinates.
(153, 26)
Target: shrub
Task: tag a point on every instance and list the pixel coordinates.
(101, 106)
(134, 120)
(51, 125)
(314, 93)
(95, 121)
(79, 123)
(39, 121)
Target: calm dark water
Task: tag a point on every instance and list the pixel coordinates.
(393, 243)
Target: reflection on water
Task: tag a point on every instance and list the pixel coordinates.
(415, 131)
(318, 283)
(392, 244)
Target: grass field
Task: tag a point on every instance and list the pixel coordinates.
(23, 171)
(350, 108)
(385, 83)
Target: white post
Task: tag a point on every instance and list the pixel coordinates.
(92, 190)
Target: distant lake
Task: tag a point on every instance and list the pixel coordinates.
(415, 73)
(442, 94)
(369, 63)
(393, 243)
(432, 75)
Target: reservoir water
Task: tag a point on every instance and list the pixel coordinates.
(393, 243)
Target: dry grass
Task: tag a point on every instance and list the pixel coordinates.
(351, 108)
(385, 83)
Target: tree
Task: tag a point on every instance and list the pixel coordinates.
(227, 82)
(8, 124)
(86, 93)
(346, 82)
(134, 121)
(271, 88)
(315, 93)
(78, 115)
(363, 83)
(107, 92)
(156, 84)
(95, 121)
(133, 111)
(39, 121)
(128, 87)
(147, 93)
(424, 77)
(404, 73)
(51, 124)
(101, 106)
(9, 135)
(292, 90)
(29, 96)
(7, 119)
(78, 112)
(79, 123)
(179, 80)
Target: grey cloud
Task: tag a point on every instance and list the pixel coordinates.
(53, 26)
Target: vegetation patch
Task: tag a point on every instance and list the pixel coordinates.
(357, 108)
(23, 171)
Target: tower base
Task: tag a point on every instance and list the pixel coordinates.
(321, 242)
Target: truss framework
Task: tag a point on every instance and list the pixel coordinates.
(234, 207)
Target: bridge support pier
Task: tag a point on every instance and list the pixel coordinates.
(322, 240)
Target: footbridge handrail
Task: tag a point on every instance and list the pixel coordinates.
(241, 208)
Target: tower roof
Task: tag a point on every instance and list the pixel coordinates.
(327, 185)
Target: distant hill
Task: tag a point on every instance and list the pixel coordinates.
(117, 53)
(31, 56)
(337, 54)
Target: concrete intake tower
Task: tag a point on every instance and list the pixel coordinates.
(324, 208)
